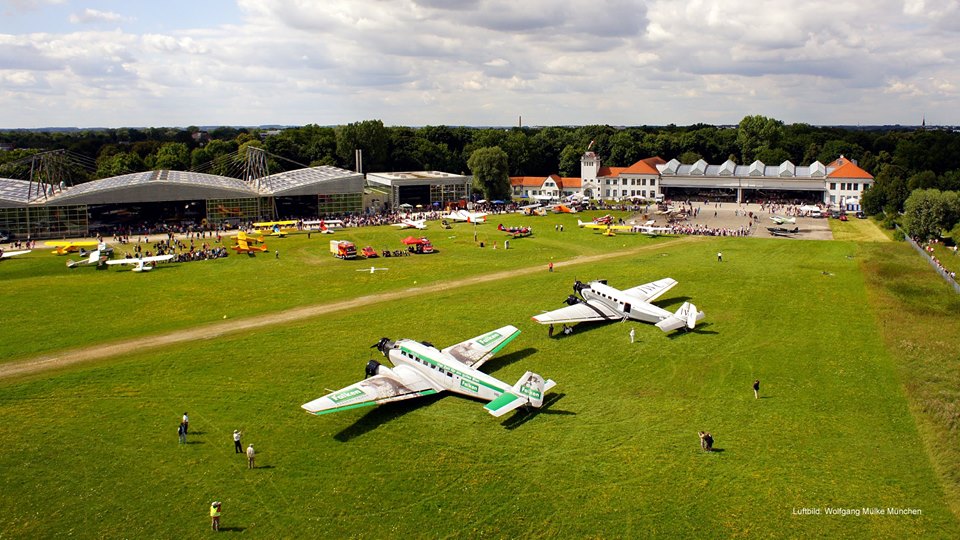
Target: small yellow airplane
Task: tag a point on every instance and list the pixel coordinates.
(248, 244)
(64, 247)
(276, 228)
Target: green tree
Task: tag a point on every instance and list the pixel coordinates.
(925, 213)
(755, 133)
(570, 161)
(173, 156)
(369, 136)
(490, 167)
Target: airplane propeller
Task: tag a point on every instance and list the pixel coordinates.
(382, 345)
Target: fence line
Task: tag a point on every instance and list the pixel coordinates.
(943, 273)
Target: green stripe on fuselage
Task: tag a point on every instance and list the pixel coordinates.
(457, 372)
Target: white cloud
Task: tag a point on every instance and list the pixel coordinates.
(95, 16)
(556, 61)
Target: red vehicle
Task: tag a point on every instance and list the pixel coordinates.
(369, 252)
(418, 245)
(342, 249)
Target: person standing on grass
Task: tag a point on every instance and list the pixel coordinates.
(215, 516)
(237, 447)
(632, 334)
(186, 423)
(719, 256)
(756, 389)
(250, 457)
(182, 432)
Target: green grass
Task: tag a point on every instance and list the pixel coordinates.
(833, 330)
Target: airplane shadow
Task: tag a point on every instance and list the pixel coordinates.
(675, 301)
(503, 361)
(697, 330)
(525, 414)
(383, 414)
(233, 529)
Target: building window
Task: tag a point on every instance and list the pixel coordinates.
(856, 186)
(653, 182)
(833, 186)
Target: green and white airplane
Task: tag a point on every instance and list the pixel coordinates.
(421, 370)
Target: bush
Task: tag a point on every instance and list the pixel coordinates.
(899, 236)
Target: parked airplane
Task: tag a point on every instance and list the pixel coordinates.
(421, 370)
(248, 244)
(608, 229)
(604, 220)
(324, 226)
(601, 302)
(64, 247)
(783, 231)
(411, 224)
(8, 254)
(142, 264)
(780, 220)
(276, 228)
(469, 217)
(516, 232)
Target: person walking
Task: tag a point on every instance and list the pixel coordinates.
(719, 256)
(215, 515)
(186, 423)
(550, 266)
(182, 432)
(250, 457)
(237, 447)
(632, 334)
(756, 389)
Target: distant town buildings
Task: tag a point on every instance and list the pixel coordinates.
(838, 184)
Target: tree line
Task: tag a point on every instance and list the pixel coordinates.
(902, 160)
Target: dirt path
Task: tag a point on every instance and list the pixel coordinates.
(97, 352)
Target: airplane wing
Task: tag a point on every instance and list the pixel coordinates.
(475, 351)
(582, 312)
(648, 292)
(372, 391)
(14, 253)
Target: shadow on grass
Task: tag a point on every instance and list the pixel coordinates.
(232, 529)
(525, 414)
(265, 467)
(675, 301)
(383, 414)
(699, 329)
(503, 361)
(195, 442)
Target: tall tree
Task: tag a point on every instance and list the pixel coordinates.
(490, 167)
(925, 213)
(755, 133)
(369, 136)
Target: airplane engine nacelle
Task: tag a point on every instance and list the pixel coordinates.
(373, 367)
(572, 299)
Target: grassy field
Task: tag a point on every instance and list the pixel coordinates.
(858, 408)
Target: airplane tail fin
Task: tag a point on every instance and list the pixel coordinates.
(529, 390)
(687, 316)
(580, 223)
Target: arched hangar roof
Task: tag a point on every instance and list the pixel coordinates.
(14, 193)
(154, 186)
(312, 181)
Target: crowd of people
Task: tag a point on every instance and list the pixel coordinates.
(928, 249)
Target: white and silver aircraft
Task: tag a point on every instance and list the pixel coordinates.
(780, 220)
(92, 257)
(412, 224)
(8, 254)
(469, 217)
(142, 264)
(601, 302)
(421, 370)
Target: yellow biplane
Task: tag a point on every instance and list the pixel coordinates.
(248, 244)
(62, 247)
(277, 228)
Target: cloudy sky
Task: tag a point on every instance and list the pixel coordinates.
(477, 62)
